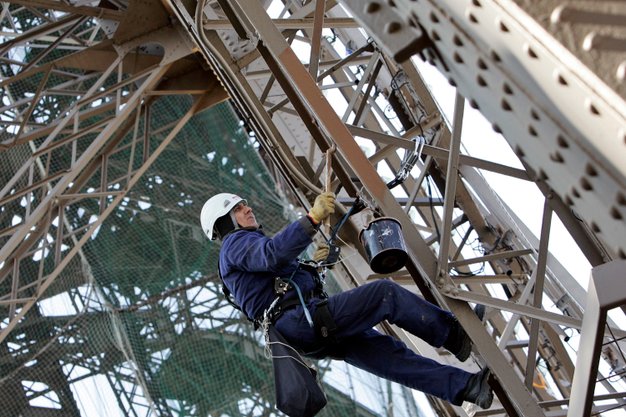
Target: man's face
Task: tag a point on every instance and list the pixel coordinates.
(244, 215)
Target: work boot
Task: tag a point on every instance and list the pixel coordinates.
(477, 390)
(458, 342)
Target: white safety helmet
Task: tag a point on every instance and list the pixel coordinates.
(216, 207)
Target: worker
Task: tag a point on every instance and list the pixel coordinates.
(343, 324)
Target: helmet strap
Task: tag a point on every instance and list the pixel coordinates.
(234, 219)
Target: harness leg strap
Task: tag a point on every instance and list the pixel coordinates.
(325, 326)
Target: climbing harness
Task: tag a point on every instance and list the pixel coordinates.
(282, 286)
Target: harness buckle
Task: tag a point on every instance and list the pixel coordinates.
(280, 286)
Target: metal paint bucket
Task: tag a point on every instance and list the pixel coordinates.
(384, 245)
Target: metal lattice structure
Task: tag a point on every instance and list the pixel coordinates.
(82, 130)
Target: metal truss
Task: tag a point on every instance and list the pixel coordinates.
(80, 156)
(552, 90)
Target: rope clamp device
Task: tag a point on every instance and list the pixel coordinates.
(333, 254)
(333, 249)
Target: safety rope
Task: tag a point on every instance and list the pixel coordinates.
(307, 314)
(267, 350)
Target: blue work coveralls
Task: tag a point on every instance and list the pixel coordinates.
(249, 262)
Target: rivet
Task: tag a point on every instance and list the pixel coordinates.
(591, 171)
(393, 27)
(585, 184)
(534, 114)
(560, 140)
(556, 157)
(593, 109)
(372, 7)
(616, 214)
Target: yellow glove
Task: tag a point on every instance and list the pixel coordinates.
(321, 253)
(323, 207)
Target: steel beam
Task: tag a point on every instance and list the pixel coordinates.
(606, 291)
(557, 115)
(452, 176)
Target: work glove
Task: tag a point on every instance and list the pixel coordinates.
(323, 207)
(321, 253)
